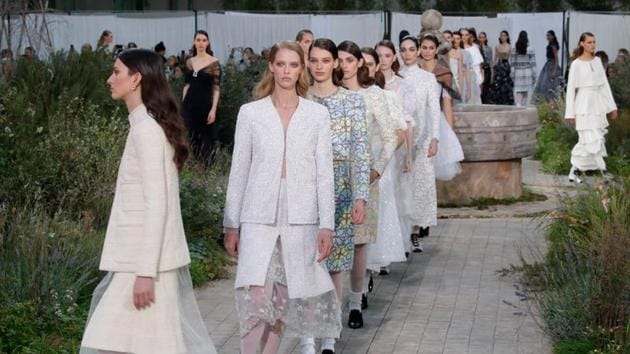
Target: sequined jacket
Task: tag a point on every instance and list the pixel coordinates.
(259, 149)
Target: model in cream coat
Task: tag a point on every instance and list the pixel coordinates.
(145, 304)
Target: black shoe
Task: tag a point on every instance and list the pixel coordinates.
(327, 351)
(364, 303)
(424, 232)
(406, 254)
(355, 320)
(384, 271)
(415, 244)
(371, 284)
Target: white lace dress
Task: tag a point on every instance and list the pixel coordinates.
(383, 141)
(389, 246)
(425, 108)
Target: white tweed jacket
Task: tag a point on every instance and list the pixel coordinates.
(259, 148)
(145, 234)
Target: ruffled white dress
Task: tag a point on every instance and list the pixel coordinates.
(450, 153)
(588, 100)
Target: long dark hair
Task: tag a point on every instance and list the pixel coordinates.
(473, 33)
(554, 41)
(301, 34)
(329, 46)
(379, 78)
(579, 50)
(389, 45)
(508, 37)
(158, 97)
(522, 43)
(363, 74)
(208, 48)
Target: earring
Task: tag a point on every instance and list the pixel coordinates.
(133, 88)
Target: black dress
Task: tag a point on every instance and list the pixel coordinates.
(196, 107)
(502, 90)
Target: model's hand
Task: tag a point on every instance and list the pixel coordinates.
(570, 121)
(358, 212)
(324, 243)
(613, 115)
(374, 176)
(143, 292)
(212, 116)
(433, 148)
(230, 241)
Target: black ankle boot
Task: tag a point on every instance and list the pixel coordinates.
(371, 283)
(327, 351)
(364, 303)
(355, 320)
(424, 231)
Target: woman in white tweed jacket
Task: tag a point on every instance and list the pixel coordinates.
(281, 196)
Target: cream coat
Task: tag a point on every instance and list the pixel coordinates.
(145, 234)
(259, 149)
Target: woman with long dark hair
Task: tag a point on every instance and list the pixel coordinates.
(502, 91)
(351, 163)
(383, 143)
(588, 100)
(280, 210)
(201, 98)
(523, 73)
(145, 303)
(549, 81)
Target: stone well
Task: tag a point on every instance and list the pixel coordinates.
(494, 139)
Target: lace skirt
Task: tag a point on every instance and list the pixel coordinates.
(317, 316)
(171, 325)
(295, 294)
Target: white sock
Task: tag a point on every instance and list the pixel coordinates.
(366, 282)
(328, 343)
(354, 299)
(307, 345)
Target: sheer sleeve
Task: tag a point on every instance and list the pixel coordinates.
(215, 71)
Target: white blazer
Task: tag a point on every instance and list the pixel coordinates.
(259, 149)
(145, 234)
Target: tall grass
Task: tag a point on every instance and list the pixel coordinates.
(585, 275)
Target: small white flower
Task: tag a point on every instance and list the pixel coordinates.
(39, 130)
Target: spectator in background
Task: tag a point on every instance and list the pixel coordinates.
(523, 69)
(86, 48)
(264, 54)
(132, 45)
(622, 56)
(107, 37)
(160, 49)
(169, 68)
(604, 58)
(29, 53)
(7, 65)
(118, 48)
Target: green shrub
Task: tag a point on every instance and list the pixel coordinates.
(619, 84)
(573, 347)
(585, 275)
(61, 139)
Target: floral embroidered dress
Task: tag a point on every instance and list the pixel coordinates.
(383, 140)
(351, 163)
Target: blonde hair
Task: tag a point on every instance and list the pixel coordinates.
(266, 85)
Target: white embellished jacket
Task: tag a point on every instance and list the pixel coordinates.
(259, 149)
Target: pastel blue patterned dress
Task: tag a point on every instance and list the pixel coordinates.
(351, 163)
